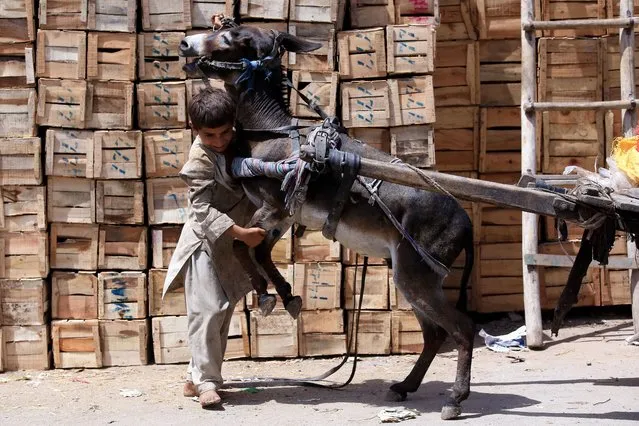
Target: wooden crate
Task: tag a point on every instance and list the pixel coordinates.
(366, 104)
(497, 225)
(61, 54)
(374, 336)
(20, 162)
(237, 345)
(319, 87)
(456, 77)
(499, 284)
(24, 301)
(552, 10)
(456, 21)
(572, 138)
(202, 12)
(167, 200)
(158, 15)
(612, 11)
(406, 335)
(457, 139)
(612, 85)
(410, 49)
(362, 53)
(413, 145)
(74, 246)
(397, 301)
(71, 200)
(319, 60)
(111, 56)
(16, 65)
(378, 138)
(193, 87)
(23, 255)
(412, 100)
(615, 287)
(173, 303)
(124, 343)
(111, 105)
(69, 153)
(313, 247)
(274, 336)
(112, 15)
(326, 11)
(500, 72)
(16, 22)
(351, 258)
(164, 240)
(68, 15)
(158, 56)
(74, 295)
(282, 251)
(376, 292)
(321, 333)
(121, 295)
(170, 340)
(26, 347)
(120, 202)
(499, 19)
(288, 272)
(17, 113)
(23, 208)
(416, 11)
(166, 151)
(367, 13)
(260, 9)
(554, 280)
(63, 103)
(118, 154)
(76, 344)
(500, 140)
(161, 105)
(319, 284)
(122, 247)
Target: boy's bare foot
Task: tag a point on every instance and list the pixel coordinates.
(209, 399)
(294, 306)
(267, 304)
(189, 389)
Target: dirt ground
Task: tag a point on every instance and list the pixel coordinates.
(588, 375)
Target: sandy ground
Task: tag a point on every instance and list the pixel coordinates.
(586, 376)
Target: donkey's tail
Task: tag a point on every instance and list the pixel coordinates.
(469, 248)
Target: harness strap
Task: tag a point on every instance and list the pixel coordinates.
(350, 166)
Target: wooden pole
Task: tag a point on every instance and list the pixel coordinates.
(629, 122)
(574, 106)
(580, 23)
(532, 302)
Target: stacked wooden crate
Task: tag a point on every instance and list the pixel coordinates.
(24, 291)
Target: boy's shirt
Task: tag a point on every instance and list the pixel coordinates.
(216, 202)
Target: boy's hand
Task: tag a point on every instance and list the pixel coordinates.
(252, 236)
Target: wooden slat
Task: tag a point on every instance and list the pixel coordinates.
(25, 347)
(17, 65)
(123, 247)
(173, 302)
(17, 113)
(167, 201)
(74, 295)
(23, 208)
(120, 202)
(24, 301)
(76, 344)
(122, 295)
(163, 243)
(319, 60)
(74, 246)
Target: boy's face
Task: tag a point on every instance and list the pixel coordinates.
(216, 138)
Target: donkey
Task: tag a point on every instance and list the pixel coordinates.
(436, 221)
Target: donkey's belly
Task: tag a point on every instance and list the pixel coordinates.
(362, 231)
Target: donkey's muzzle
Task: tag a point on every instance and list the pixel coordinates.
(186, 48)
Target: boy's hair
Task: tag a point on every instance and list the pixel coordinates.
(211, 108)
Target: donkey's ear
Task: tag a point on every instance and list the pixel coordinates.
(296, 44)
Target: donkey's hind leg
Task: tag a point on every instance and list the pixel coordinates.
(266, 301)
(433, 336)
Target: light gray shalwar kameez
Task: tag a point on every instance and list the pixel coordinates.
(214, 281)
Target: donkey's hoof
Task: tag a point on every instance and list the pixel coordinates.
(395, 396)
(267, 304)
(451, 412)
(294, 306)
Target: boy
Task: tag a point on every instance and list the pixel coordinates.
(214, 281)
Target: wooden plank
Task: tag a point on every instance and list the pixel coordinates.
(320, 88)
(118, 154)
(313, 247)
(456, 76)
(63, 103)
(406, 335)
(366, 14)
(273, 336)
(499, 20)
(69, 153)
(374, 336)
(166, 151)
(23, 255)
(410, 49)
(158, 15)
(26, 347)
(412, 101)
(124, 343)
(164, 240)
(376, 294)
(74, 246)
(23, 208)
(71, 200)
(61, 54)
(111, 105)
(112, 15)
(362, 53)
(122, 295)
(20, 162)
(63, 14)
(17, 22)
(167, 201)
(202, 12)
(615, 287)
(319, 60)
(456, 21)
(319, 284)
(378, 138)
(456, 137)
(24, 301)
(17, 65)
(366, 104)
(76, 344)
(352, 258)
(326, 11)
(120, 202)
(122, 247)
(414, 145)
(589, 9)
(17, 113)
(161, 105)
(111, 56)
(173, 303)
(321, 344)
(74, 295)
(158, 57)
(170, 340)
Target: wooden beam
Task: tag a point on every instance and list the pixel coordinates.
(561, 261)
(630, 104)
(531, 25)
